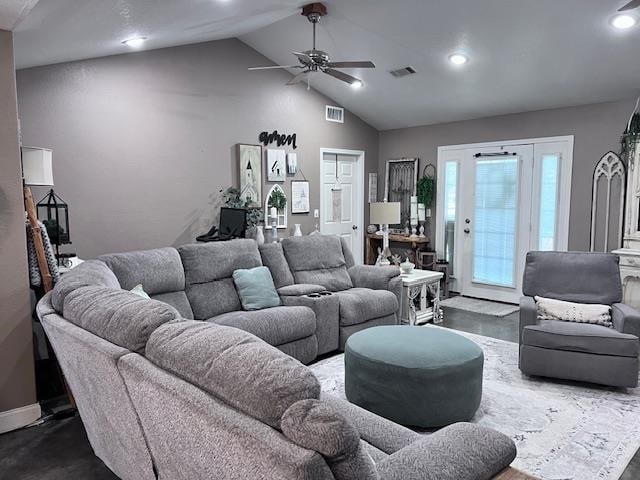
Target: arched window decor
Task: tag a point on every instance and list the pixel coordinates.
(276, 197)
(609, 179)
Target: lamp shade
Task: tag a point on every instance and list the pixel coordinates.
(384, 213)
(37, 167)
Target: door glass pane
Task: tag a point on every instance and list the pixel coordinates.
(450, 196)
(548, 202)
(494, 232)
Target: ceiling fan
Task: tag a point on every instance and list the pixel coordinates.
(630, 6)
(311, 61)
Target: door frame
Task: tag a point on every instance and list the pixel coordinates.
(564, 196)
(359, 212)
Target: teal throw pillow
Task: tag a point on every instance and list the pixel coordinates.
(255, 288)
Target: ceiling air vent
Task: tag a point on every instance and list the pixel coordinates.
(403, 72)
(334, 114)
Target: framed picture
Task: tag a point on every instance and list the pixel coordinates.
(276, 165)
(250, 165)
(299, 196)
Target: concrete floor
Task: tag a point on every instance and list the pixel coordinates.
(59, 449)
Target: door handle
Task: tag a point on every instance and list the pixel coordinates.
(354, 227)
(467, 230)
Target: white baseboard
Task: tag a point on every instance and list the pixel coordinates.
(19, 417)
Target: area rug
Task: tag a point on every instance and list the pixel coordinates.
(563, 430)
(476, 305)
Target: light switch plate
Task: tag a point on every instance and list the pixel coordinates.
(316, 213)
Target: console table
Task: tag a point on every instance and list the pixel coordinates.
(374, 241)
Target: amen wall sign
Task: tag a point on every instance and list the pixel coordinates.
(268, 138)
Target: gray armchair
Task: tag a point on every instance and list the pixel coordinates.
(578, 351)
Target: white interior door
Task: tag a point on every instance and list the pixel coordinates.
(342, 202)
(493, 209)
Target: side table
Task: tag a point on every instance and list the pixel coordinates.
(415, 285)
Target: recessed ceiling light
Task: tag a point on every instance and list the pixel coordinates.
(624, 21)
(357, 84)
(135, 42)
(458, 59)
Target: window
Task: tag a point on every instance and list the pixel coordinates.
(548, 201)
(496, 221)
(450, 195)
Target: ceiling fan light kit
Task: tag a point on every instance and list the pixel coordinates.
(314, 60)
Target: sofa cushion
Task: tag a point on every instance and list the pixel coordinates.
(275, 326)
(580, 337)
(315, 425)
(89, 273)
(158, 271)
(234, 366)
(582, 277)
(359, 305)
(318, 260)
(273, 258)
(119, 316)
(255, 288)
(208, 271)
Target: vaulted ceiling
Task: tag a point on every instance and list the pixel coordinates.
(523, 54)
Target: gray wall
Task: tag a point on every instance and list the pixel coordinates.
(597, 129)
(143, 142)
(17, 385)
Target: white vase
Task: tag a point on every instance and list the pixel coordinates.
(259, 235)
(297, 232)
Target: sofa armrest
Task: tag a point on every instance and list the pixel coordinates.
(625, 319)
(375, 278)
(528, 314)
(462, 451)
(299, 289)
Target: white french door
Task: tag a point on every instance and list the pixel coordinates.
(500, 201)
(342, 197)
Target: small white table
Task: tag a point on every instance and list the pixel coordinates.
(415, 284)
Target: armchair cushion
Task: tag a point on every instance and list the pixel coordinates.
(369, 276)
(359, 305)
(552, 309)
(625, 319)
(461, 451)
(583, 277)
(580, 337)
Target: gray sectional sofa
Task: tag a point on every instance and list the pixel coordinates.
(164, 396)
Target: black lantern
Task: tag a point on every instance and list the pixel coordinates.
(53, 211)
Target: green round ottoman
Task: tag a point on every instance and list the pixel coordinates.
(414, 376)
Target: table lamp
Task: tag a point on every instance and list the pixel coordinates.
(384, 214)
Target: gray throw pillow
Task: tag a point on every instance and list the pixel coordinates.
(255, 288)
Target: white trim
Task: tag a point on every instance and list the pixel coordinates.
(527, 141)
(19, 417)
(359, 207)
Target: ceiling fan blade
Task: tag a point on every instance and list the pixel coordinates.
(299, 78)
(353, 64)
(630, 6)
(303, 57)
(275, 66)
(342, 76)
